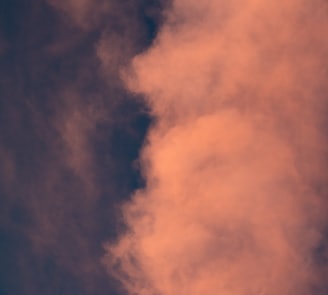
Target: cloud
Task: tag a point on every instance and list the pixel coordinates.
(235, 163)
(85, 13)
(69, 135)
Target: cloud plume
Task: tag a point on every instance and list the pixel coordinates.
(235, 163)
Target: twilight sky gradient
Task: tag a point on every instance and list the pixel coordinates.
(163, 147)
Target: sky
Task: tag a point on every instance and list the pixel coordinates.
(70, 138)
(163, 147)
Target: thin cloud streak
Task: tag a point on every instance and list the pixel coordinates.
(236, 162)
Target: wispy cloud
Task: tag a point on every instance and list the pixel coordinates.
(69, 135)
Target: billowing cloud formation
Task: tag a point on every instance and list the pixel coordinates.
(236, 162)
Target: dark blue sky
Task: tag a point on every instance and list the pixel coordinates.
(69, 138)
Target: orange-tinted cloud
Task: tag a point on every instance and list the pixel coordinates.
(236, 158)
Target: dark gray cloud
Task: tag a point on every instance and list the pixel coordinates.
(69, 137)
